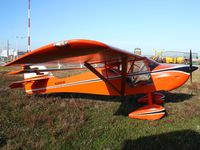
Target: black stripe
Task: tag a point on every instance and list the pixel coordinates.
(181, 68)
(151, 113)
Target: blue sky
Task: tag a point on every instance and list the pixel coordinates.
(148, 24)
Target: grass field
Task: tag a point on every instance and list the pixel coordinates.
(75, 121)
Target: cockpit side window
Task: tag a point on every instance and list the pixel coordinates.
(140, 66)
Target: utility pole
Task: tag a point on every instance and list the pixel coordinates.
(29, 25)
(8, 51)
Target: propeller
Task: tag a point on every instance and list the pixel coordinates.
(190, 66)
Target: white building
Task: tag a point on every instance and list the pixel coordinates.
(5, 53)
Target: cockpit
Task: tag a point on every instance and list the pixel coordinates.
(137, 71)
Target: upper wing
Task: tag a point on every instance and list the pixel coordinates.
(74, 51)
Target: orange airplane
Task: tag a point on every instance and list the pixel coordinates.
(111, 71)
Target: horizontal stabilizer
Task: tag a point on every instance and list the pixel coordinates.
(16, 85)
(20, 84)
(17, 72)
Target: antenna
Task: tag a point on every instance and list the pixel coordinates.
(29, 25)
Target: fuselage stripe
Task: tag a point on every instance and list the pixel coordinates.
(72, 83)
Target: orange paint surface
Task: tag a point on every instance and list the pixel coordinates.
(149, 112)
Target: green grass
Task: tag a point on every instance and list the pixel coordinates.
(75, 121)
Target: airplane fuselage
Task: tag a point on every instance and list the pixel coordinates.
(89, 83)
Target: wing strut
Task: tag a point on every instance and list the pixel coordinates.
(92, 69)
(124, 73)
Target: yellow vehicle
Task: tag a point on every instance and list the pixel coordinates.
(171, 57)
(180, 60)
(169, 60)
(174, 60)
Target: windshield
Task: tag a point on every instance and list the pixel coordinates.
(141, 66)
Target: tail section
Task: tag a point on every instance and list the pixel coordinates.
(33, 80)
(36, 79)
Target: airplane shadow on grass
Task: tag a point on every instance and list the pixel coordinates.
(128, 103)
(184, 140)
(82, 96)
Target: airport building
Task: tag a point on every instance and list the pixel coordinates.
(9, 55)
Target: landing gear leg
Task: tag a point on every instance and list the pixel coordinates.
(157, 98)
(149, 112)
